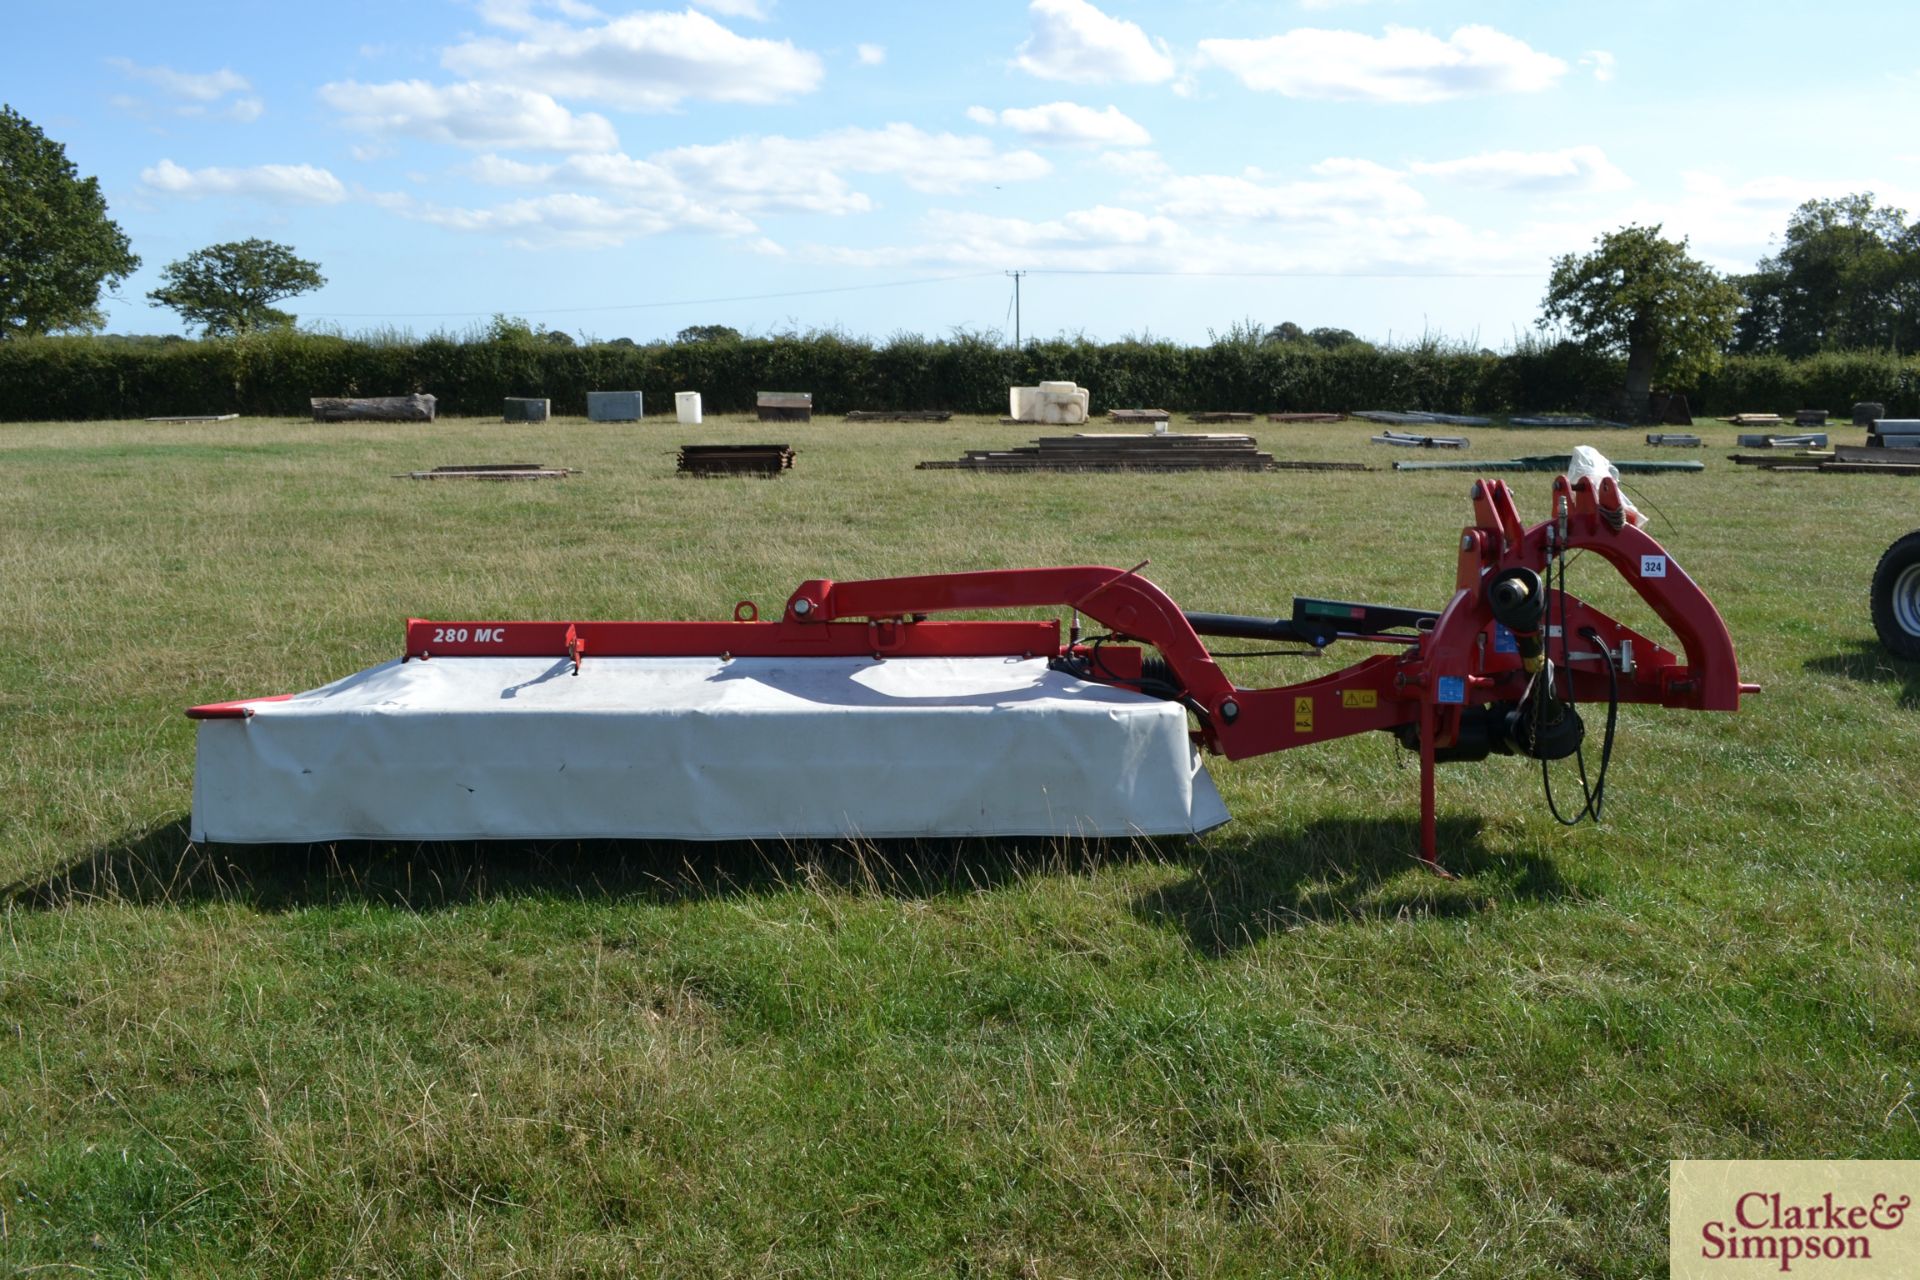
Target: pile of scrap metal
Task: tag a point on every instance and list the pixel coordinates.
(1415, 418)
(1406, 440)
(1549, 462)
(1805, 440)
(491, 471)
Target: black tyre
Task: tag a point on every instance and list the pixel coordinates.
(1896, 598)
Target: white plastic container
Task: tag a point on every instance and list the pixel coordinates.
(686, 406)
(1058, 404)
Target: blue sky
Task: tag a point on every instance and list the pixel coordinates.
(1386, 166)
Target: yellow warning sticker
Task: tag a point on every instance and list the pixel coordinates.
(1303, 714)
(1359, 699)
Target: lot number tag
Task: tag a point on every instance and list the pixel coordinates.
(1653, 566)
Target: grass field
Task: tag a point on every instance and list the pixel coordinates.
(1281, 1049)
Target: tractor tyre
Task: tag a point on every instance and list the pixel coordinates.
(1896, 598)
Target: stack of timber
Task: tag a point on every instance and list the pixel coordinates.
(492, 471)
(1674, 439)
(414, 408)
(898, 415)
(197, 417)
(1755, 420)
(1222, 415)
(1405, 440)
(1845, 460)
(1139, 415)
(767, 460)
(1168, 451)
(1303, 417)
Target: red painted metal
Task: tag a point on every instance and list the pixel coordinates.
(238, 709)
(1433, 679)
(743, 639)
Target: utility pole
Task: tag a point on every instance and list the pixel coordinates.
(1016, 307)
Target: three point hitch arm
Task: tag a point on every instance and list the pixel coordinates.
(1501, 669)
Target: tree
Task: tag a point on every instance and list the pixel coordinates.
(57, 245)
(708, 333)
(230, 288)
(1328, 339)
(1846, 276)
(1643, 297)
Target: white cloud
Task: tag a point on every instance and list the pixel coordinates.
(194, 94)
(1074, 41)
(271, 183)
(645, 61)
(928, 162)
(753, 9)
(1403, 65)
(1067, 124)
(1136, 166)
(499, 171)
(1602, 63)
(1569, 169)
(870, 55)
(210, 86)
(1106, 238)
(1344, 216)
(1342, 191)
(468, 115)
(571, 220)
(525, 15)
(725, 185)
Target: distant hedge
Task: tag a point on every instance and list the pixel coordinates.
(275, 374)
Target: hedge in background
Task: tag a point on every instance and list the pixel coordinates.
(274, 375)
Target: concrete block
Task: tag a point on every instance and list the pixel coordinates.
(614, 406)
(526, 409)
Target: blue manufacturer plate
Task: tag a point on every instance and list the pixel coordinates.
(1503, 641)
(1453, 689)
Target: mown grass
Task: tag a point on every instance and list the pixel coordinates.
(1282, 1049)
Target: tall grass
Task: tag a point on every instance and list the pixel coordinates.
(1281, 1049)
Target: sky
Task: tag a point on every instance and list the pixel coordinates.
(1171, 169)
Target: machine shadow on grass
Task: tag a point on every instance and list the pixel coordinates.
(1868, 663)
(1235, 891)
(1340, 870)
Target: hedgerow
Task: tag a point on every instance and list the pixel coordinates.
(274, 374)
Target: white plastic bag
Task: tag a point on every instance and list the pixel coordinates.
(1590, 462)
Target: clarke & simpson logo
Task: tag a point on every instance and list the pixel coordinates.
(1807, 1218)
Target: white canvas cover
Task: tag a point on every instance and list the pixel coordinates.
(701, 749)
